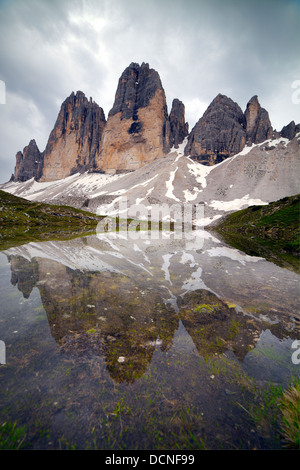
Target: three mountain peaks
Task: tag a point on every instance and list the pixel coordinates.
(139, 130)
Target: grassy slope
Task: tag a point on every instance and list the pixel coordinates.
(271, 231)
(22, 221)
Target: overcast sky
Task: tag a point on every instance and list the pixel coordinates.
(49, 48)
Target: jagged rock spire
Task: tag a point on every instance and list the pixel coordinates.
(138, 127)
(75, 138)
(258, 124)
(179, 128)
(219, 134)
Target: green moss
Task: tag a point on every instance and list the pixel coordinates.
(271, 231)
(91, 331)
(23, 221)
(204, 308)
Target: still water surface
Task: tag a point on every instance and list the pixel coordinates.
(120, 343)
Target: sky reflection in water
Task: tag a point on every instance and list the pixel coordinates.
(96, 322)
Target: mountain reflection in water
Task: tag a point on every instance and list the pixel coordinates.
(122, 298)
(135, 304)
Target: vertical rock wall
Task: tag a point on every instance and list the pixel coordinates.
(138, 129)
(75, 139)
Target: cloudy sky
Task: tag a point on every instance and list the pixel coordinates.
(49, 48)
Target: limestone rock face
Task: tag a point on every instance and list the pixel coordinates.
(290, 130)
(29, 163)
(137, 129)
(258, 124)
(75, 139)
(179, 128)
(219, 134)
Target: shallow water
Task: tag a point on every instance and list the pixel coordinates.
(123, 341)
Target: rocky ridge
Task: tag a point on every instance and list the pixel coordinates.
(179, 128)
(258, 124)
(139, 130)
(224, 130)
(29, 163)
(72, 145)
(259, 174)
(75, 139)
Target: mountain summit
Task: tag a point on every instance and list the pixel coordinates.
(75, 139)
(139, 130)
(224, 130)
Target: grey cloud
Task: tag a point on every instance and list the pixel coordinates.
(199, 47)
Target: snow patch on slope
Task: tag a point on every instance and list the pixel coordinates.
(259, 174)
(77, 184)
(236, 204)
(170, 187)
(199, 171)
(266, 143)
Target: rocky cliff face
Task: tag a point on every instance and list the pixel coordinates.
(179, 128)
(290, 131)
(29, 163)
(224, 130)
(75, 139)
(138, 129)
(219, 134)
(258, 124)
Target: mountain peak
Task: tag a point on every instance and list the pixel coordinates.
(258, 124)
(220, 132)
(75, 138)
(136, 86)
(137, 129)
(29, 163)
(178, 127)
(254, 99)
